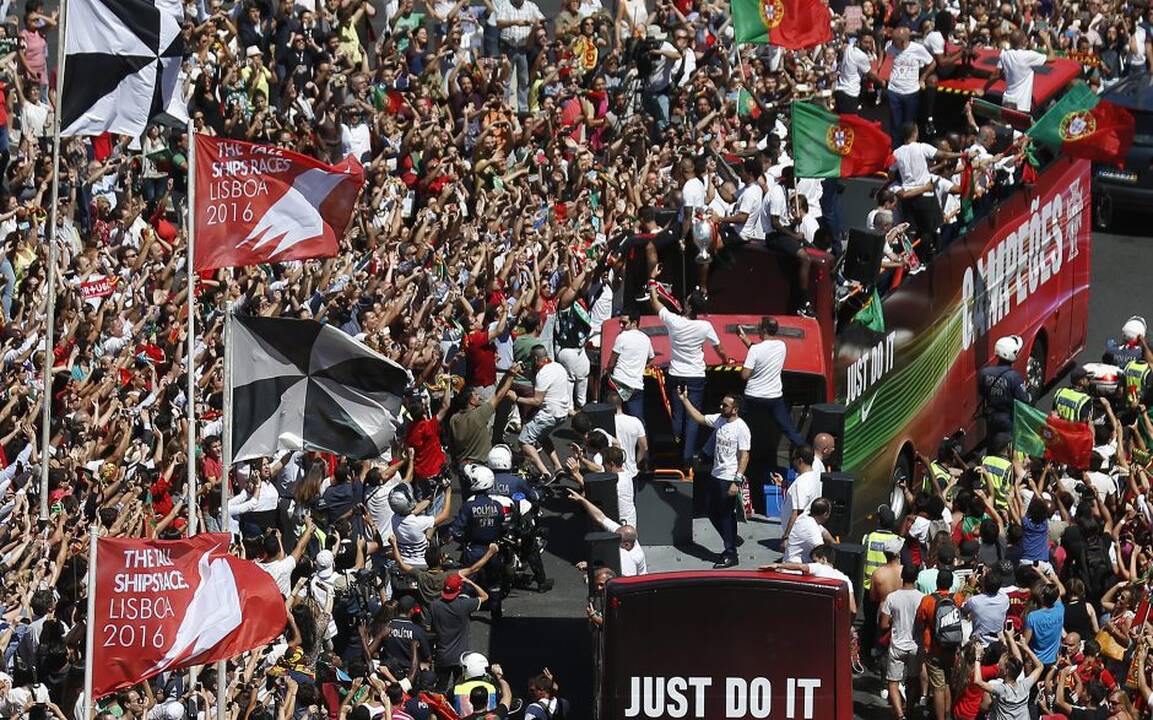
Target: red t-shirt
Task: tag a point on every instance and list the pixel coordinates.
(428, 456)
(480, 354)
(968, 705)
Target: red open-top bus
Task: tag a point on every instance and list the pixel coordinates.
(1022, 269)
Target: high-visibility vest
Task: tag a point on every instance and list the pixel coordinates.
(998, 470)
(1068, 404)
(875, 552)
(938, 474)
(1136, 379)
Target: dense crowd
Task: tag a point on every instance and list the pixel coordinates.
(516, 163)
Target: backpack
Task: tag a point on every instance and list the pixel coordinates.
(947, 632)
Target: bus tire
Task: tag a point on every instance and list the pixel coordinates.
(1035, 369)
(902, 472)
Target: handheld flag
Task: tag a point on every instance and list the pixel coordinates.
(872, 315)
(162, 605)
(257, 204)
(1083, 125)
(747, 106)
(1039, 435)
(301, 385)
(121, 65)
(792, 24)
(830, 145)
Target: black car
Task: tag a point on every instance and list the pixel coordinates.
(1128, 189)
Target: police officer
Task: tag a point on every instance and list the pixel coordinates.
(1000, 384)
(947, 465)
(513, 487)
(998, 471)
(481, 521)
(874, 542)
(1132, 345)
(1073, 403)
(1138, 381)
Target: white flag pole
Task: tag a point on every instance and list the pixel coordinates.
(225, 488)
(190, 345)
(50, 309)
(90, 625)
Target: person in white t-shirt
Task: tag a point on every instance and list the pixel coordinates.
(631, 353)
(1016, 67)
(918, 200)
(730, 461)
(764, 407)
(279, 565)
(631, 436)
(911, 64)
(806, 488)
(687, 338)
(809, 532)
(552, 397)
(745, 218)
(822, 567)
(856, 65)
(632, 554)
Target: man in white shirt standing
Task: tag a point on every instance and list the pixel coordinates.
(745, 219)
(552, 396)
(809, 533)
(856, 65)
(516, 19)
(632, 351)
(804, 491)
(733, 441)
(911, 65)
(687, 338)
(764, 405)
(1016, 66)
(918, 201)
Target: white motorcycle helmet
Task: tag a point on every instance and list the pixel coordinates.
(1008, 347)
(473, 665)
(401, 501)
(480, 478)
(500, 457)
(1134, 328)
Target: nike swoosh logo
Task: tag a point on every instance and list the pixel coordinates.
(867, 407)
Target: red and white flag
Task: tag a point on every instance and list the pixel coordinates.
(260, 203)
(168, 604)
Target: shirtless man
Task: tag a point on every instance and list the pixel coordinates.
(884, 580)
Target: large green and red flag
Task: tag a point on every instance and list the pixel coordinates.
(1039, 435)
(1083, 125)
(829, 145)
(992, 111)
(792, 24)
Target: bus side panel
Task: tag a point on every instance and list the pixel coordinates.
(726, 645)
(916, 382)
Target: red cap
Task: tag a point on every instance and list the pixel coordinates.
(452, 586)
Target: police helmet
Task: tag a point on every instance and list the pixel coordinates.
(1008, 347)
(474, 665)
(401, 501)
(500, 457)
(479, 477)
(1133, 328)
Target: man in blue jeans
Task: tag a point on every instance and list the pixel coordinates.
(911, 64)
(686, 372)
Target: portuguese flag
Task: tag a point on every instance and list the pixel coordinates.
(1039, 435)
(792, 24)
(747, 106)
(829, 145)
(1083, 125)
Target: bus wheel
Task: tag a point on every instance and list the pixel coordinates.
(1103, 211)
(1035, 370)
(902, 476)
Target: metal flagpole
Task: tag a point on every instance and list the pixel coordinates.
(190, 345)
(90, 625)
(50, 309)
(225, 488)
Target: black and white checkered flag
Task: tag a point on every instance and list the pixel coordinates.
(301, 385)
(121, 65)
